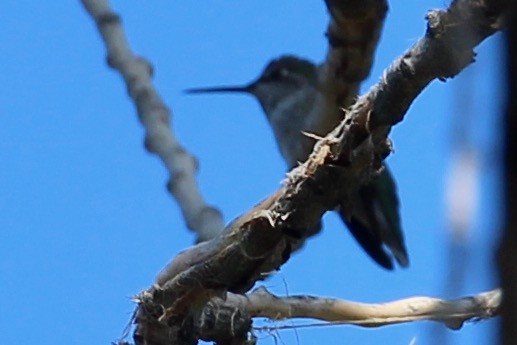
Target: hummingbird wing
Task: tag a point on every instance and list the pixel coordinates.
(375, 221)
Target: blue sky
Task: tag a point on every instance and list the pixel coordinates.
(87, 222)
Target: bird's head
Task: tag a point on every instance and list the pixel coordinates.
(281, 78)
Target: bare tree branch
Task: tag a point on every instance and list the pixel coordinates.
(154, 115)
(233, 314)
(258, 241)
(353, 33)
(372, 114)
(452, 313)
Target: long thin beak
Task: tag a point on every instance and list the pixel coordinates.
(245, 88)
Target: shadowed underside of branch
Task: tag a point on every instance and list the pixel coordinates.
(260, 241)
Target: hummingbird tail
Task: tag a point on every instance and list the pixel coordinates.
(375, 221)
(370, 243)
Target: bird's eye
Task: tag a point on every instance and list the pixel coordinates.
(279, 74)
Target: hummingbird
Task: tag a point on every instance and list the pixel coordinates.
(292, 101)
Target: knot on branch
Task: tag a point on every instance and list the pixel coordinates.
(153, 329)
(224, 324)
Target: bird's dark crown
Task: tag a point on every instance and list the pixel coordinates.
(289, 67)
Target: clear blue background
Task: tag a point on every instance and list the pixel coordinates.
(86, 221)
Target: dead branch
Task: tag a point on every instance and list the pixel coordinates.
(258, 241)
(353, 33)
(452, 313)
(233, 315)
(205, 220)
